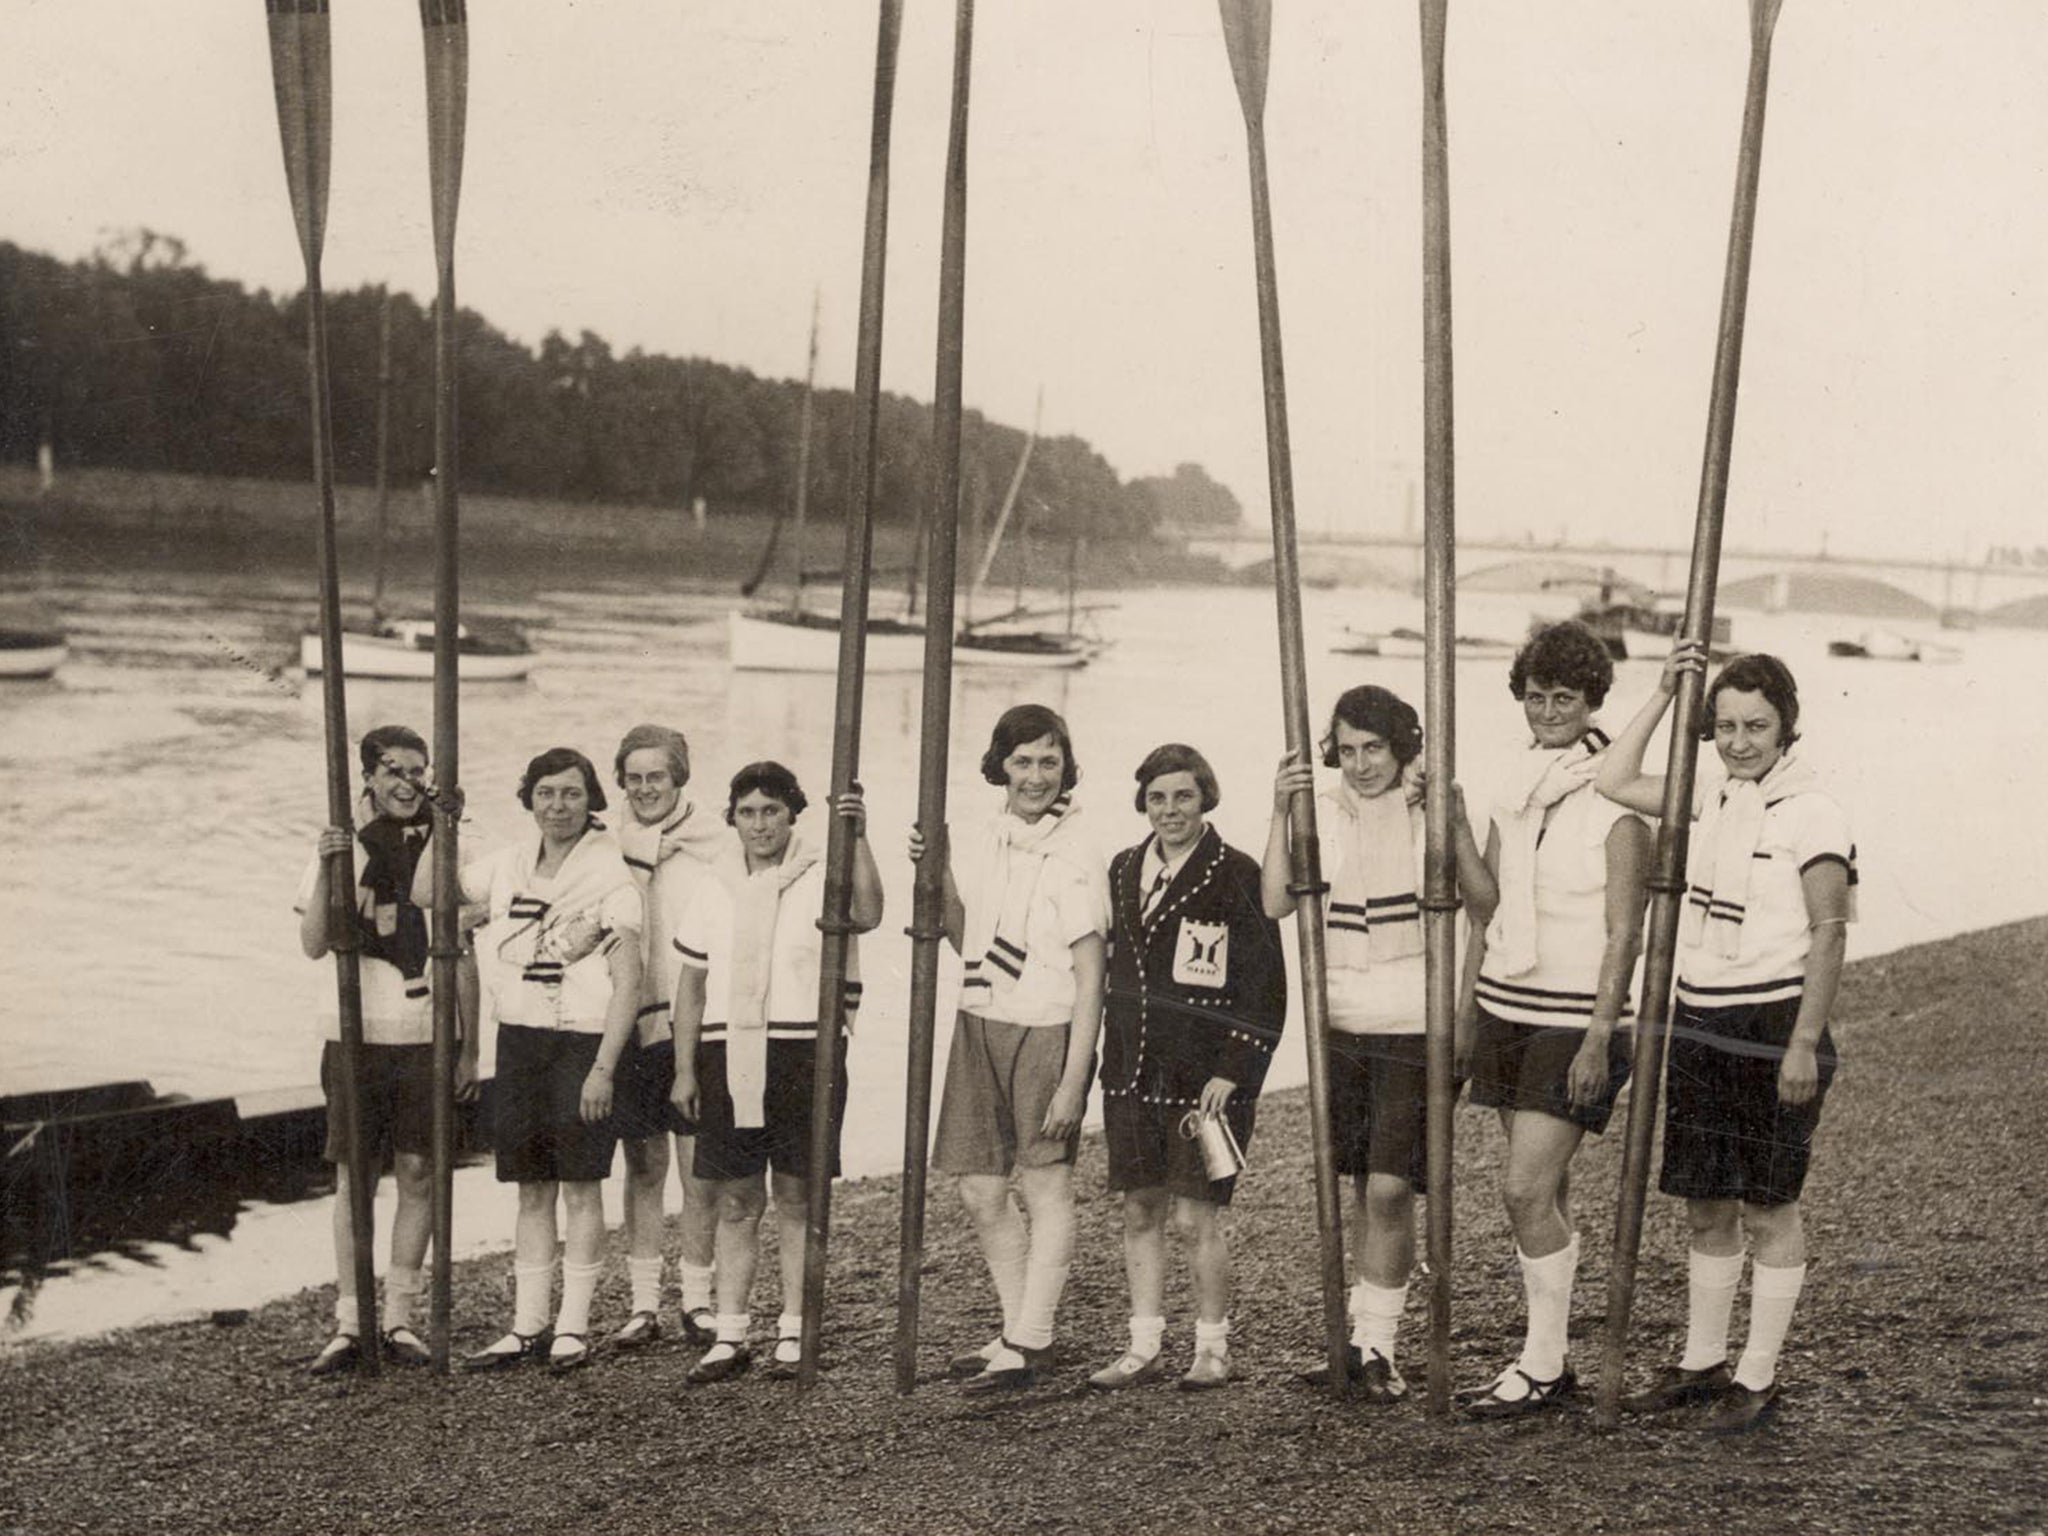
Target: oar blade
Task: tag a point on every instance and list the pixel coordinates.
(1248, 36)
(1763, 19)
(445, 25)
(302, 75)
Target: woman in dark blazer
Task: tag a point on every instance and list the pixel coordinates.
(1196, 996)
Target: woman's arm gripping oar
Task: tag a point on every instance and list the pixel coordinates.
(1247, 34)
(1667, 880)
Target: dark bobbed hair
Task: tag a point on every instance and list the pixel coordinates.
(1565, 655)
(1757, 673)
(670, 742)
(1176, 757)
(1022, 723)
(560, 760)
(772, 780)
(1369, 707)
(376, 743)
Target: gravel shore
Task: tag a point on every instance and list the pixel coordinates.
(1916, 1377)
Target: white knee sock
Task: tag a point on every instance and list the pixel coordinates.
(790, 1325)
(1044, 1282)
(532, 1290)
(697, 1282)
(1007, 1246)
(401, 1291)
(348, 1317)
(1773, 1293)
(732, 1329)
(579, 1284)
(1712, 1280)
(1547, 1282)
(1378, 1316)
(1147, 1333)
(646, 1278)
(1212, 1338)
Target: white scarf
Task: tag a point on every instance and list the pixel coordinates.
(1374, 914)
(1542, 777)
(1718, 898)
(541, 938)
(998, 913)
(648, 845)
(756, 904)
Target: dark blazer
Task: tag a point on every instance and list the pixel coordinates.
(1198, 990)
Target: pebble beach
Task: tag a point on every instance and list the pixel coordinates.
(1916, 1378)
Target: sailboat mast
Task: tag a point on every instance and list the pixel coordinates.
(803, 451)
(995, 538)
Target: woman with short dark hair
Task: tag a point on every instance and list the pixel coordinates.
(1196, 999)
(1370, 831)
(746, 1041)
(1772, 885)
(564, 942)
(1027, 915)
(1547, 981)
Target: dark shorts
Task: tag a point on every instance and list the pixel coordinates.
(1000, 1079)
(1379, 1097)
(536, 1125)
(395, 1101)
(783, 1143)
(1528, 1066)
(1726, 1136)
(640, 1087)
(1148, 1151)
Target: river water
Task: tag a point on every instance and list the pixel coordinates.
(159, 802)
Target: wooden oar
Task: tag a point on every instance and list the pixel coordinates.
(1247, 33)
(835, 920)
(445, 31)
(1667, 880)
(928, 925)
(301, 75)
(1439, 623)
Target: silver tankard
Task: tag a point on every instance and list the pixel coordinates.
(1222, 1157)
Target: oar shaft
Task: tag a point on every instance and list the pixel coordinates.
(859, 550)
(1440, 889)
(1667, 881)
(301, 77)
(1307, 885)
(928, 928)
(445, 36)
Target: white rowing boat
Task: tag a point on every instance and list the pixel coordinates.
(403, 650)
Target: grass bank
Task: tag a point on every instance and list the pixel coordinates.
(1917, 1375)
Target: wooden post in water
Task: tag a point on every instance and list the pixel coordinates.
(1439, 552)
(835, 922)
(1667, 879)
(928, 925)
(445, 31)
(301, 74)
(1247, 33)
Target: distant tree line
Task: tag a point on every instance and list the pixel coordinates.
(138, 359)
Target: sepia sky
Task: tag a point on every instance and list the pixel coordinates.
(678, 176)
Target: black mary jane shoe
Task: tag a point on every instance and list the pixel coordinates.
(526, 1347)
(1739, 1409)
(708, 1371)
(404, 1347)
(1536, 1395)
(562, 1361)
(1676, 1387)
(1011, 1378)
(338, 1354)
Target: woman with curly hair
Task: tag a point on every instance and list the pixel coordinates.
(1370, 828)
(1547, 981)
(1772, 888)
